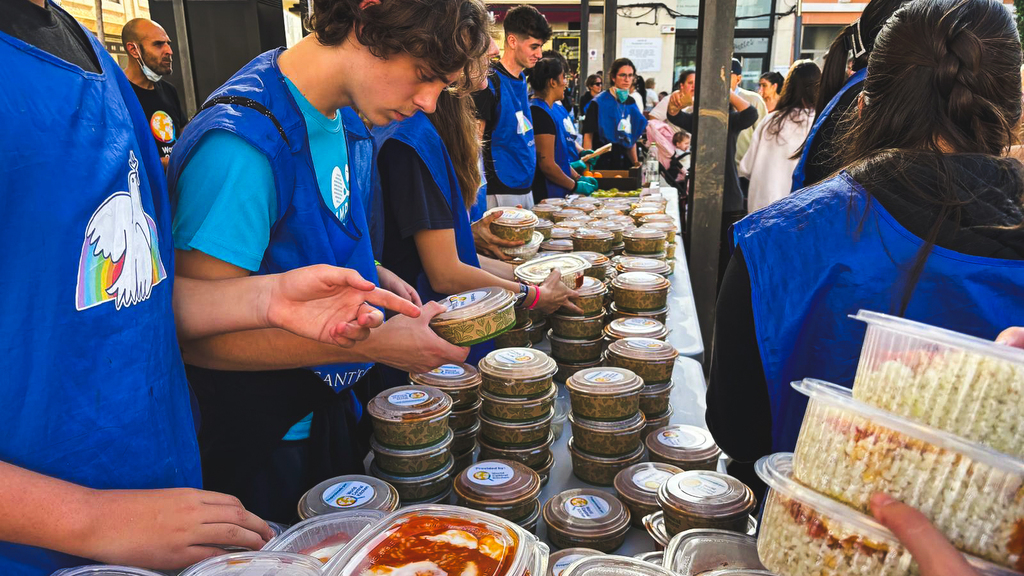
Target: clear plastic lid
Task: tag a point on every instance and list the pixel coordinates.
(622, 218)
(645, 281)
(537, 270)
(609, 565)
(518, 364)
(515, 217)
(702, 550)
(553, 202)
(646, 209)
(587, 512)
(655, 525)
(739, 572)
(257, 564)
(442, 539)
(655, 557)
(643, 349)
(561, 233)
(635, 327)
(645, 234)
(557, 244)
(441, 446)
(591, 286)
(407, 403)
(595, 259)
(633, 424)
(324, 536)
(560, 560)
(348, 493)
(683, 443)
(497, 482)
(105, 570)
(653, 218)
(640, 482)
(530, 247)
(473, 304)
(582, 219)
(574, 224)
(449, 376)
(592, 234)
(604, 381)
(605, 212)
(610, 225)
(667, 226)
(568, 213)
(706, 494)
(544, 210)
(641, 264)
(941, 336)
(543, 224)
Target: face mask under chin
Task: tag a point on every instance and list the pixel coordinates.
(146, 70)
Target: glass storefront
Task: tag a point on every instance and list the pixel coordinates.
(752, 44)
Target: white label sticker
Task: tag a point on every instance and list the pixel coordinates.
(564, 562)
(490, 473)
(703, 486)
(586, 507)
(604, 377)
(639, 323)
(348, 494)
(650, 480)
(680, 439)
(462, 300)
(515, 356)
(408, 398)
(644, 343)
(448, 371)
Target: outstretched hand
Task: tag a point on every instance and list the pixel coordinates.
(487, 243)
(329, 304)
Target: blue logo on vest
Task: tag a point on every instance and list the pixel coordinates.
(340, 193)
(523, 124)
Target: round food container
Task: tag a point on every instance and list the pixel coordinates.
(618, 565)
(560, 560)
(561, 232)
(592, 240)
(421, 487)
(588, 518)
(670, 254)
(668, 228)
(640, 291)
(644, 240)
(702, 551)
(589, 298)
(661, 257)
(616, 228)
(604, 393)
(659, 315)
(516, 434)
(557, 202)
(601, 470)
(256, 564)
(410, 416)
(565, 214)
(656, 421)
(557, 244)
(514, 224)
(544, 210)
(638, 485)
(579, 327)
(575, 351)
(654, 399)
(465, 439)
(602, 438)
(537, 270)
(585, 205)
(704, 499)
(567, 369)
(516, 337)
(544, 228)
(655, 558)
(352, 492)
(618, 249)
(635, 327)
(574, 223)
(536, 332)
(528, 250)
(529, 523)
(645, 210)
(625, 264)
(599, 264)
(585, 219)
(464, 460)
(605, 212)
(688, 447)
(544, 470)
(510, 409)
(656, 219)
(464, 417)
(324, 536)
(535, 455)
(504, 488)
(475, 316)
(442, 498)
(412, 462)
(649, 358)
(460, 381)
(517, 373)
(561, 416)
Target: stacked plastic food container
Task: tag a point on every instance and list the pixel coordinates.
(462, 383)
(504, 488)
(936, 420)
(653, 361)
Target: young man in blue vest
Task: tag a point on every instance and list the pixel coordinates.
(506, 125)
(277, 172)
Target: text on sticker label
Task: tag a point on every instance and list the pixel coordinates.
(348, 494)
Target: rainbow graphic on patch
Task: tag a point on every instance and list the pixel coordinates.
(97, 274)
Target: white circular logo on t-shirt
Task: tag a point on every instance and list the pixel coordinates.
(339, 192)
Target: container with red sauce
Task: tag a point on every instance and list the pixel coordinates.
(324, 536)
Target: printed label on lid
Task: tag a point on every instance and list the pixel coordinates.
(604, 377)
(644, 344)
(680, 439)
(448, 371)
(651, 479)
(408, 398)
(515, 356)
(639, 323)
(702, 486)
(490, 473)
(564, 562)
(587, 507)
(462, 300)
(348, 494)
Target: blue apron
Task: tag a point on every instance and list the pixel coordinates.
(419, 134)
(825, 252)
(307, 230)
(618, 123)
(571, 132)
(93, 388)
(559, 117)
(799, 174)
(511, 150)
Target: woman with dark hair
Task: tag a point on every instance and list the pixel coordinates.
(769, 86)
(554, 135)
(838, 93)
(594, 84)
(769, 162)
(612, 117)
(926, 222)
(639, 92)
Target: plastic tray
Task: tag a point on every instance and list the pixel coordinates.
(610, 565)
(849, 450)
(560, 560)
(965, 385)
(702, 550)
(330, 531)
(256, 564)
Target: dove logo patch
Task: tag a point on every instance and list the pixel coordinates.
(120, 257)
(339, 192)
(626, 125)
(523, 124)
(569, 128)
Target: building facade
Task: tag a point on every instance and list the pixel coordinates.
(115, 14)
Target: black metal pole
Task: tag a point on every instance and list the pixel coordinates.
(611, 29)
(584, 45)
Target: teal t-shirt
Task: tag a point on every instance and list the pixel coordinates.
(227, 199)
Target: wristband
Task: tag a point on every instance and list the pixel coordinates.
(536, 299)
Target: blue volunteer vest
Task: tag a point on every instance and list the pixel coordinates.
(826, 252)
(618, 123)
(559, 117)
(306, 231)
(418, 133)
(799, 173)
(93, 389)
(511, 147)
(571, 132)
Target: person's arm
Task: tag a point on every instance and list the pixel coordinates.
(744, 116)
(683, 120)
(747, 163)
(483, 101)
(157, 529)
(631, 154)
(500, 269)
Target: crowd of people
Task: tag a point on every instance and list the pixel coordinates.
(199, 321)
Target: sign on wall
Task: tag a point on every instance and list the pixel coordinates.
(644, 52)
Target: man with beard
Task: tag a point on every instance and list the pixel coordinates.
(150, 50)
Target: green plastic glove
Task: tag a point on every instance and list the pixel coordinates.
(585, 153)
(585, 186)
(578, 166)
